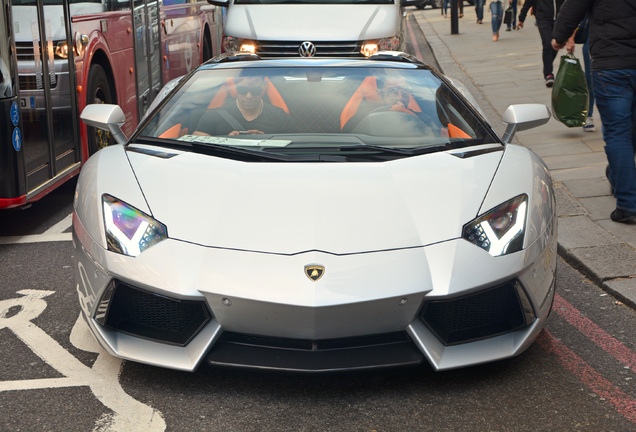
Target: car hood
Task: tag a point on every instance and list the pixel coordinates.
(300, 22)
(339, 208)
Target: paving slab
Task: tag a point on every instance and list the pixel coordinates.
(509, 72)
(588, 187)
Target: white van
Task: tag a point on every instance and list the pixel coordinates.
(308, 28)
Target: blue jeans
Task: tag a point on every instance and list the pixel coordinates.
(615, 92)
(479, 9)
(496, 9)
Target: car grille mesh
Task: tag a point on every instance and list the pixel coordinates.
(477, 316)
(152, 316)
(361, 352)
(315, 345)
(323, 49)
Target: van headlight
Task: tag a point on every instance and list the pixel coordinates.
(371, 47)
(234, 44)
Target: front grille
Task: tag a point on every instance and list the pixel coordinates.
(151, 316)
(488, 313)
(315, 345)
(323, 49)
(24, 51)
(251, 351)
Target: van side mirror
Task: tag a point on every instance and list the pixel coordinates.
(106, 117)
(222, 3)
(523, 117)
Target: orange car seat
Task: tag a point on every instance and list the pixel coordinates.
(368, 91)
(229, 89)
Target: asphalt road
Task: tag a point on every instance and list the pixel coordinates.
(577, 376)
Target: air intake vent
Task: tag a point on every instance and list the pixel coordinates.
(151, 316)
(488, 313)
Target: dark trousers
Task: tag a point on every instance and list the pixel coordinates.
(549, 54)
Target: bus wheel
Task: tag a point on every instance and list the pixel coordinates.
(98, 92)
(206, 52)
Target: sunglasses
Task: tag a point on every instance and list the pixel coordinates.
(397, 90)
(243, 90)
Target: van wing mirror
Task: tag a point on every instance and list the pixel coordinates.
(523, 117)
(106, 117)
(222, 3)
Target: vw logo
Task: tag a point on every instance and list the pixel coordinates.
(307, 49)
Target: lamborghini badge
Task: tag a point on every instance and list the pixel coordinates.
(314, 272)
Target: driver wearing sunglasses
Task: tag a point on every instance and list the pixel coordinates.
(248, 113)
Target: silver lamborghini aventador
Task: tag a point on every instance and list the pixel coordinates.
(315, 215)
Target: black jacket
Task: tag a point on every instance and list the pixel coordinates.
(543, 9)
(612, 30)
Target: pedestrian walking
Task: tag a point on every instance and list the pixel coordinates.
(513, 23)
(545, 12)
(496, 10)
(613, 62)
(479, 10)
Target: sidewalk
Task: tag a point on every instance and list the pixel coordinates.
(508, 72)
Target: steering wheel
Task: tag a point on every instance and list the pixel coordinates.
(384, 121)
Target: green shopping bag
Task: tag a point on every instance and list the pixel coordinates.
(570, 95)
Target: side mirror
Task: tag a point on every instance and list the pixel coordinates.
(222, 3)
(106, 117)
(523, 117)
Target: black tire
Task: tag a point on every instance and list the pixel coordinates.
(206, 52)
(98, 91)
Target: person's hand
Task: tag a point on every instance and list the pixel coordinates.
(569, 46)
(247, 132)
(557, 46)
(519, 25)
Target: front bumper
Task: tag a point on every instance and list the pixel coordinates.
(264, 312)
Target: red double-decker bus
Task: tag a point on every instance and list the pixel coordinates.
(60, 55)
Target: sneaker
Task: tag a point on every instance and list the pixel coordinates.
(623, 216)
(549, 80)
(508, 29)
(589, 125)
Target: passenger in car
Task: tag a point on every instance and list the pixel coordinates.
(248, 113)
(393, 94)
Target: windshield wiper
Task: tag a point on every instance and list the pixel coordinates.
(397, 150)
(224, 150)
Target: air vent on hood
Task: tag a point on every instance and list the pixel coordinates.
(478, 152)
(151, 152)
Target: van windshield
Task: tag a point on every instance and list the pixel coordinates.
(314, 2)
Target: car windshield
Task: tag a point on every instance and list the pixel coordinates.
(318, 110)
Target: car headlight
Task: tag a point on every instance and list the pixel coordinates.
(372, 47)
(233, 44)
(500, 231)
(128, 230)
